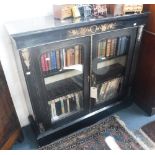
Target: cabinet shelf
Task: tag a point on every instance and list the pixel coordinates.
(110, 72)
(58, 118)
(64, 87)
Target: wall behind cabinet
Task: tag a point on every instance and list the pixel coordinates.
(11, 11)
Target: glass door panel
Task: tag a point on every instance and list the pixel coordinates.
(111, 58)
(62, 69)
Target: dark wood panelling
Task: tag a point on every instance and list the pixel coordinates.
(145, 77)
(9, 124)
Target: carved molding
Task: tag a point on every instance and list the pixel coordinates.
(90, 29)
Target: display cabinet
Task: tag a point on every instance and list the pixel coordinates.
(76, 71)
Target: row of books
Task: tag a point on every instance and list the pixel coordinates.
(66, 104)
(57, 59)
(112, 47)
(109, 89)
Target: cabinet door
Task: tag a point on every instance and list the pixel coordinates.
(110, 69)
(58, 81)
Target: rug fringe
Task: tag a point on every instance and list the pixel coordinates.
(148, 138)
(131, 133)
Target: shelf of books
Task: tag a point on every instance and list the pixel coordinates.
(62, 69)
(108, 68)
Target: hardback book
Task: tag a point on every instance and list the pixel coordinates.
(58, 63)
(68, 57)
(49, 61)
(119, 46)
(62, 106)
(113, 46)
(72, 56)
(43, 63)
(65, 105)
(58, 108)
(76, 48)
(53, 59)
(77, 101)
(108, 48)
(104, 48)
(53, 109)
(68, 105)
(123, 45)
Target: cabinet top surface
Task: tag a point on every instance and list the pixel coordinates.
(48, 23)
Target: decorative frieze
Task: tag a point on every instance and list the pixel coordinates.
(87, 30)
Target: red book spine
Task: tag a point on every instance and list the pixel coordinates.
(43, 63)
(47, 61)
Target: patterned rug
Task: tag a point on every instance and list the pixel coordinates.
(94, 137)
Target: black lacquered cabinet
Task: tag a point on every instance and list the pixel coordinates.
(77, 71)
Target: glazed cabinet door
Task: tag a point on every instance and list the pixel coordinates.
(57, 79)
(112, 54)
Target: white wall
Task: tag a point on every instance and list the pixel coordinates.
(10, 11)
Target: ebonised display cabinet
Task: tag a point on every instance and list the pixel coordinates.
(76, 71)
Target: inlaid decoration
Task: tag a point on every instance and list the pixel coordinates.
(90, 29)
(26, 57)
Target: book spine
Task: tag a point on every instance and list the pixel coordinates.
(62, 106)
(72, 56)
(80, 55)
(68, 106)
(61, 58)
(58, 107)
(53, 60)
(58, 59)
(77, 101)
(64, 57)
(43, 63)
(108, 49)
(53, 109)
(49, 61)
(68, 57)
(104, 48)
(119, 46)
(77, 54)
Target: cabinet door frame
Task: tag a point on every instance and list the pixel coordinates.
(129, 31)
(36, 84)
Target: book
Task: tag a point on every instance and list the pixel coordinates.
(76, 48)
(53, 109)
(62, 106)
(108, 48)
(68, 60)
(104, 48)
(72, 102)
(72, 56)
(49, 61)
(113, 47)
(99, 49)
(53, 60)
(119, 46)
(68, 106)
(123, 45)
(58, 108)
(77, 101)
(65, 105)
(58, 63)
(43, 63)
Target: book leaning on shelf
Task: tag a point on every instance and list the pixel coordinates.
(57, 59)
(65, 105)
(109, 89)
